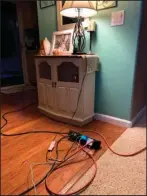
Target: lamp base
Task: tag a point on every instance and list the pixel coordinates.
(90, 53)
(78, 38)
(79, 53)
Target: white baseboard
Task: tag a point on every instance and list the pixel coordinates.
(137, 117)
(16, 88)
(119, 121)
(113, 120)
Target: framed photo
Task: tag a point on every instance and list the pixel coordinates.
(101, 5)
(44, 4)
(65, 23)
(62, 40)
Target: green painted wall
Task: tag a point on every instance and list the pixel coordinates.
(116, 48)
(47, 21)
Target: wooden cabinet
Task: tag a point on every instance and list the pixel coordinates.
(66, 87)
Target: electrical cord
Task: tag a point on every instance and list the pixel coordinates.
(34, 132)
(53, 168)
(51, 159)
(89, 182)
(6, 121)
(83, 188)
(109, 147)
(24, 133)
(57, 167)
(13, 111)
(57, 155)
(56, 163)
(40, 181)
(80, 89)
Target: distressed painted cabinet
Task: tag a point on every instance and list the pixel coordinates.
(66, 87)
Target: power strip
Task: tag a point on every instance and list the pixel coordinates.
(83, 140)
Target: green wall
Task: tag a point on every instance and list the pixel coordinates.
(47, 21)
(116, 48)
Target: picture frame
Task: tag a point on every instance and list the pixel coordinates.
(62, 40)
(44, 4)
(101, 5)
(65, 23)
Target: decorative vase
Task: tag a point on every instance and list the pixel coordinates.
(46, 46)
(41, 49)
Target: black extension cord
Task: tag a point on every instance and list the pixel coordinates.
(49, 172)
(23, 133)
(53, 168)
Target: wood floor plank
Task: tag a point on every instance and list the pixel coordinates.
(17, 153)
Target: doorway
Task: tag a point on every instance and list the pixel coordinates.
(11, 72)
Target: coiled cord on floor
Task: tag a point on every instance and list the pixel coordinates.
(23, 133)
(80, 189)
(54, 167)
(116, 153)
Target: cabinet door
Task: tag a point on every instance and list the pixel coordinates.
(68, 101)
(68, 75)
(75, 102)
(62, 99)
(68, 72)
(73, 94)
(50, 96)
(42, 94)
(45, 81)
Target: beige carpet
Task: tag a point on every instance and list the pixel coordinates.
(120, 175)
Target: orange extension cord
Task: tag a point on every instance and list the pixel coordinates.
(87, 184)
(82, 148)
(119, 154)
(94, 174)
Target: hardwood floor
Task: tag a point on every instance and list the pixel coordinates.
(17, 153)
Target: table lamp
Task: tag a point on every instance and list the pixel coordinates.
(79, 10)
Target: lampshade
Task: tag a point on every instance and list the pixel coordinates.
(70, 9)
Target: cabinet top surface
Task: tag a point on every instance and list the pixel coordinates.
(65, 56)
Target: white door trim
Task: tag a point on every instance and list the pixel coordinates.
(137, 117)
(22, 43)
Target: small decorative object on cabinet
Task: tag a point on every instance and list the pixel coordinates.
(47, 46)
(66, 87)
(41, 51)
(62, 41)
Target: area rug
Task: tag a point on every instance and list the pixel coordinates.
(120, 175)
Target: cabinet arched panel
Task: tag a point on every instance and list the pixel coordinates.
(68, 72)
(45, 70)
